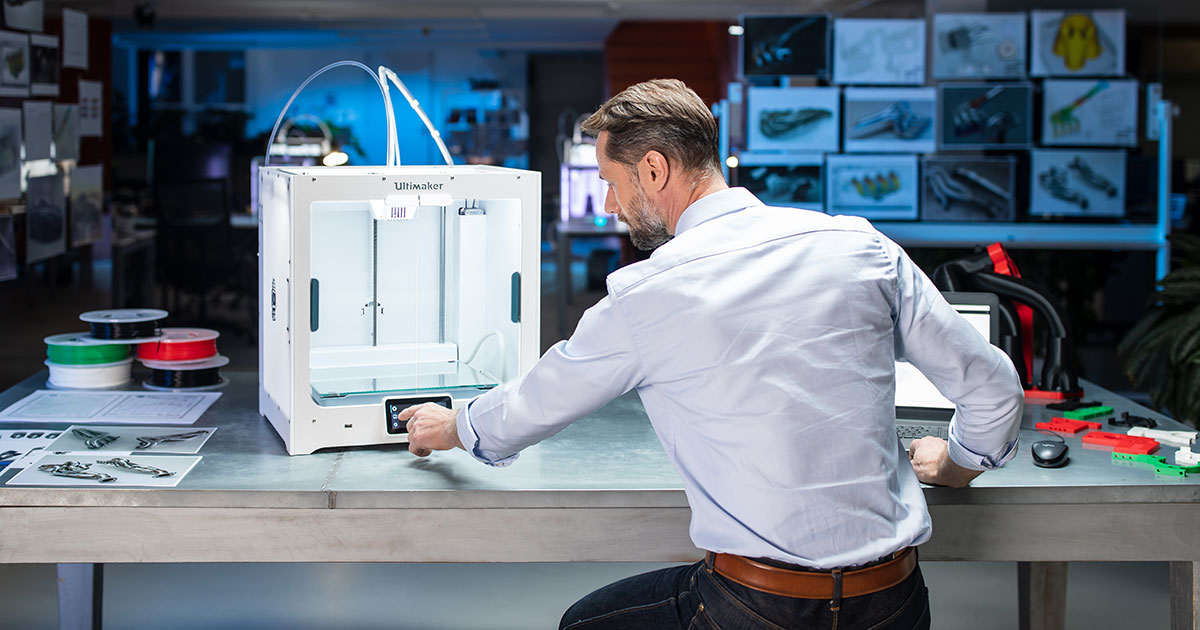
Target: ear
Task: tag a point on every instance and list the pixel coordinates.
(653, 171)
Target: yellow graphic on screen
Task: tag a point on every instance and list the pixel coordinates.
(1077, 41)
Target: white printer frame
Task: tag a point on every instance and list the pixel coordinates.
(286, 198)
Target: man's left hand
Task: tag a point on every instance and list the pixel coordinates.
(431, 428)
(931, 461)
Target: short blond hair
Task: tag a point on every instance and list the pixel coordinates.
(661, 115)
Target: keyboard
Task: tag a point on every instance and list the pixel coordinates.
(910, 432)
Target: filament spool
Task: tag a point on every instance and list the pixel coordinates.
(185, 376)
(125, 325)
(75, 349)
(94, 376)
(181, 345)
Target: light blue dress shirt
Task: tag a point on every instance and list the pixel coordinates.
(762, 343)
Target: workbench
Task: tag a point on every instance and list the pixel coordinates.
(602, 490)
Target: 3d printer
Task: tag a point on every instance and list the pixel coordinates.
(385, 287)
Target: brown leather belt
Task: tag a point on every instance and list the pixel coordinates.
(815, 584)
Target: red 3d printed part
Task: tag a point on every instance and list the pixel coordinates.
(1067, 425)
(1122, 443)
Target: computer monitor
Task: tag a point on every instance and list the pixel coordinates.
(916, 396)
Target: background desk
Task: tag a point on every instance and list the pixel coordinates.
(602, 490)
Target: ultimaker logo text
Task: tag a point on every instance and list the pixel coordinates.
(418, 186)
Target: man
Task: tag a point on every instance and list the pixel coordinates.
(762, 343)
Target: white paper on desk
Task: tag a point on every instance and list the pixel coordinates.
(91, 108)
(181, 465)
(14, 64)
(110, 407)
(75, 39)
(10, 153)
(24, 444)
(127, 440)
(39, 129)
(43, 65)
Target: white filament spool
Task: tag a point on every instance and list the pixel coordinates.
(99, 376)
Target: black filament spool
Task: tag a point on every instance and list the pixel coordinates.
(185, 379)
(119, 331)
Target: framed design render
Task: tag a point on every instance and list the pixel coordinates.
(979, 45)
(872, 186)
(785, 45)
(958, 189)
(890, 119)
(1077, 183)
(985, 116)
(1077, 43)
(801, 119)
(878, 52)
(1090, 112)
(793, 181)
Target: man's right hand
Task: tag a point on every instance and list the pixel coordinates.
(931, 460)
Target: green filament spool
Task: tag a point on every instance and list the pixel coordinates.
(67, 349)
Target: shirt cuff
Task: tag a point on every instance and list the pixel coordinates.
(967, 458)
(470, 440)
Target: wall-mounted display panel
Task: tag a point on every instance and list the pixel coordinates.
(790, 181)
(979, 45)
(803, 119)
(958, 189)
(872, 186)
(1087, 112)
(1077, 43)
(985, 116)
(1077, 183)
(890, 119)
(879, 52)
(785, 45)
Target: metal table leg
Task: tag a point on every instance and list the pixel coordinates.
(564, 281)
(80, 596)
(1185, 593)
(1042, 593)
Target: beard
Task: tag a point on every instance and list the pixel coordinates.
(647, 229)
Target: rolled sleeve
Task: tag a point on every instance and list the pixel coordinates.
(470, 440)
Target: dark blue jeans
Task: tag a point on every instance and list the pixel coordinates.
(695, 597)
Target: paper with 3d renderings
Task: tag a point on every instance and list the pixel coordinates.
(43, 65)
(985, 116)
(878, 52)
(890, 120)
(1077, 183)
(784, 180)
(14, 64)
(86, 204)
(968, 189)
(785, 45)
(10, 153)
(91, 109)
(979, 45)
(24, 14)
(39, 129)
(45, 218)
(872, 186)
(802, 119)
(178, 465)
(75, 39)
(1077, 43)
(1090, 112)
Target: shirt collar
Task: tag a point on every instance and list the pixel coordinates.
(713, 206)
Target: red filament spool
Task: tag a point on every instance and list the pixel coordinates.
(181, 344)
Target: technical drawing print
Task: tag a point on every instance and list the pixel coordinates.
(1090, 112)
(979, 45)
(879, 52)
(890, 119)
(791, 181)
(956, 189)
(1077, 183)
(1077, 43)
(985, 116)
(801, 119)
(785, 45)
(872, 186)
